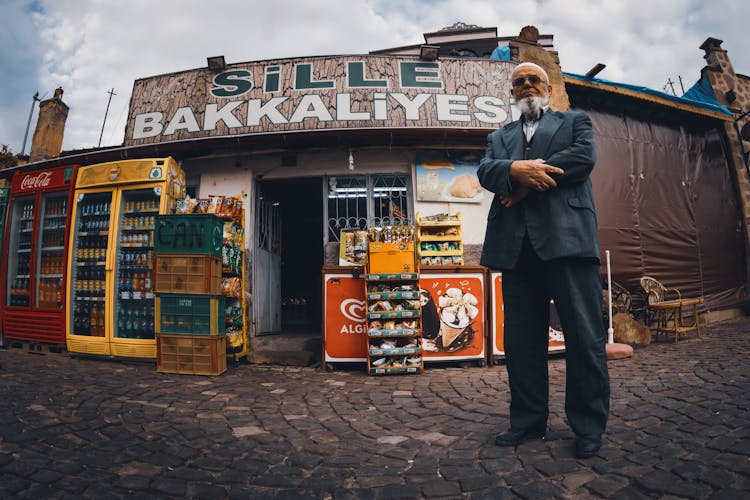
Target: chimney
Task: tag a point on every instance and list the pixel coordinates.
(50, 127)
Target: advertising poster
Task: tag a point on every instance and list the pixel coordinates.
(453, 316)
(448, 177)
(497, 326)
(344, 327)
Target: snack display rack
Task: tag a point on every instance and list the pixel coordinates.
(233, 286)
(393, 324)
(439, 241)
(394, 311)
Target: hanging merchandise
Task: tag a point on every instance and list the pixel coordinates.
(233, 285)
(110, 307)
(226, 239)
(35, 254)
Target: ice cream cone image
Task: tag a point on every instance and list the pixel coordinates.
(457, 310)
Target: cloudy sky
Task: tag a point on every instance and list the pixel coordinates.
(91, 46)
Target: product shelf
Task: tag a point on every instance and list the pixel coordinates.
(392, 295)
(395, 351)
(440, 241)
(394, 327)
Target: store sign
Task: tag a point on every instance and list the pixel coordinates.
(320, 93)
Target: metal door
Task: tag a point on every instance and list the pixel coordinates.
(267, 266)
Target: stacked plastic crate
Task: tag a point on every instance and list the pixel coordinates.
(189, 307)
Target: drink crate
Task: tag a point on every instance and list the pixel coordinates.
(191, 233)
(189, 314)
(184, 273)
(191, 354)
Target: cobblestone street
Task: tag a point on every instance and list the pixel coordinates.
(73, 427)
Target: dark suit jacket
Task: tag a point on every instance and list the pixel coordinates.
(560, 222)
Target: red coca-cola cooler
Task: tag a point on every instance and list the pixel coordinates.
(35, 255)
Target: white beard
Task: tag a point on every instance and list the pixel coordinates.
(531, 107)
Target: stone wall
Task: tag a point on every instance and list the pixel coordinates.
(733, 91)
(526, 48)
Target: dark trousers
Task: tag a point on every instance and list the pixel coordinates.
(575, 286)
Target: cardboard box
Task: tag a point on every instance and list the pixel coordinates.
(391, 258)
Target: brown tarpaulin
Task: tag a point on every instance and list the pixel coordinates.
(667, 207)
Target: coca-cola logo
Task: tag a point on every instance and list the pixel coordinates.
(37, 181)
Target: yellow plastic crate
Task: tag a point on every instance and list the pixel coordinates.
(199, 274)
(191, 354)
(387, 258)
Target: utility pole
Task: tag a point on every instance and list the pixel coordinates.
(111, 92)
(34, 100)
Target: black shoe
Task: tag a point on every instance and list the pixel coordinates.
(514, 437)
(587, 447)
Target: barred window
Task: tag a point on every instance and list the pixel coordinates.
(359, 201)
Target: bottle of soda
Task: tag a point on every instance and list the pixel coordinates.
(85, 320)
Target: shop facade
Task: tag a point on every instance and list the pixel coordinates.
(316, 146)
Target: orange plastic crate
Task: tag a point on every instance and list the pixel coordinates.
(191, 354)
(184, 273)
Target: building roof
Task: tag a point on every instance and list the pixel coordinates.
(702, 103)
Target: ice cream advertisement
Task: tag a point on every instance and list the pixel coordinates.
(448, 177)
(497, 324)
(453, 316)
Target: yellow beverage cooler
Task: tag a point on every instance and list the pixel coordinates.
(110, 300)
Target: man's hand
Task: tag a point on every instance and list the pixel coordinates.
(534, 174)
(518, 195)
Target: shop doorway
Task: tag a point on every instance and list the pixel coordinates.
(289, 255)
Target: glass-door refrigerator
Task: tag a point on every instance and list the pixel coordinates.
(110, 307)
(4, 195)
(34, 255)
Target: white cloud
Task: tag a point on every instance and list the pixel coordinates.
(91, 46)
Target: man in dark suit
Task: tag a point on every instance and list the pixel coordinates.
(542, 235)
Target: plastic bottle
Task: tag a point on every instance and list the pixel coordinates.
(58, 294)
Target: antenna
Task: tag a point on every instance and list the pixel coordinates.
(35, 98)
(111, 92)
(670, 84)
(681, 85)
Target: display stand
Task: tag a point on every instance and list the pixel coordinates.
(233, 268)
(439, 241)
(393, 324)
(393, 309)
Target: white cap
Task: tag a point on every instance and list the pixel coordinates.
(530, 65)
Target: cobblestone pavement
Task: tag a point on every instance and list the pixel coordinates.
(72, 427)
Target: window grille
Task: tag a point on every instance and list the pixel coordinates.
(358, 201)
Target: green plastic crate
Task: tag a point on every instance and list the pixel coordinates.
(189, 314)
(191, 234)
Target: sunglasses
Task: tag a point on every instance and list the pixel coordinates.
(532, 79)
